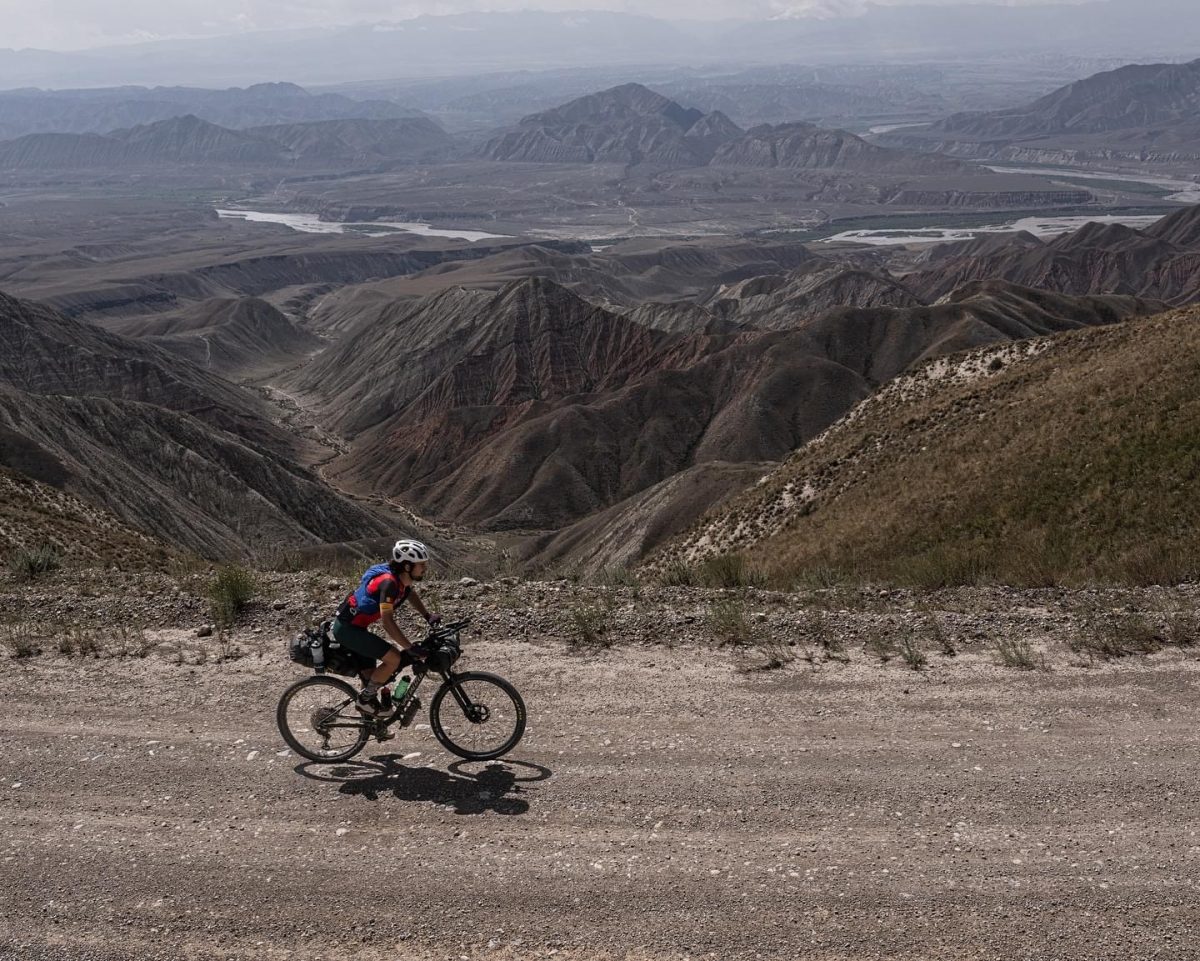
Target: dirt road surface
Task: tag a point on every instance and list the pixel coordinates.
(662, 805)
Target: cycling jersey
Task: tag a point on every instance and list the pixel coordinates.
(379, 588)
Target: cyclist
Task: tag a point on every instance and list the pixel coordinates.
(382, 589)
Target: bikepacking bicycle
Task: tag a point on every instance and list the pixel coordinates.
(475, 715)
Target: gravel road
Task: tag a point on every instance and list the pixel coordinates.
(662, 805)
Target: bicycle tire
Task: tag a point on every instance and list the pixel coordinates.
(294, 743)
(435, 716)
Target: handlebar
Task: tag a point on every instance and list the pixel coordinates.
(453, 627)
(441, 646)
(443, 632)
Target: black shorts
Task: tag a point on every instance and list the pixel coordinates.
(364, 643)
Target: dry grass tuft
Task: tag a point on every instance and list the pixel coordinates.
(1105, 636)
(587, 624)
(1016, 652)
(911, 653)
(879, 643)
(728, 622)
(27, 563)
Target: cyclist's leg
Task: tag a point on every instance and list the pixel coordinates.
(368, 645)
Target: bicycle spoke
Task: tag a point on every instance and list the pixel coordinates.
(323, 720)
(488, 732)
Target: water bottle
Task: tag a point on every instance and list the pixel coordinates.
(401, 688)
(385, 698)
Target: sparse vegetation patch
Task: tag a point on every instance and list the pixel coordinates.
(229, 591)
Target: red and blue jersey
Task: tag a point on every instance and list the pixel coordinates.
(378, 588)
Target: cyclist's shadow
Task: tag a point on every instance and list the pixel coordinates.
(471, 787)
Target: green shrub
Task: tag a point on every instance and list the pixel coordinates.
(774, 654)
(727, 570)
(1017, 652)
(620, 576)
(816, 626)
(588, 625)
(1107, 636)
(678, 573)
(937, 633)
(728, 623)
(27, 563)
(19, 641)
(942, 567)
(229, 591)
(128, 642)
(811, 577)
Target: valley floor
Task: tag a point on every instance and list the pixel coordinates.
(663, 804)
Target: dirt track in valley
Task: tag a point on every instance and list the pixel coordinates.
(661, 805)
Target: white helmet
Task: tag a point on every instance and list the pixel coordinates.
(408, 550)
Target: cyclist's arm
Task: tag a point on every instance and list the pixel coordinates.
(387, 618)
(418, 605)
(391, 628)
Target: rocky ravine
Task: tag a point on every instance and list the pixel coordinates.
(662, 804)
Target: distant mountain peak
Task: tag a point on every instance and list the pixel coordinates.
(276, 88)
(627, 124)
(623, 102)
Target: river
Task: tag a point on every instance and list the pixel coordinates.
(1039, 226)
(313, 224)
(1186, 192)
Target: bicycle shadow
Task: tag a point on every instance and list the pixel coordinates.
(490, 788)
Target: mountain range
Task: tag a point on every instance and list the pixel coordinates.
(631, 124)
(1144, 112)
(530, 412)
(190, 140)
(235, 337)
(532, 409)
(30, 110)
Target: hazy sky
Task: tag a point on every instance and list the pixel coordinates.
(72, 24)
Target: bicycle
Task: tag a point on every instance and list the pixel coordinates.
(321, 709)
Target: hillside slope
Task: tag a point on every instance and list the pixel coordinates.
(33, 514)
(169, 448)
(235, 338)
(1137, 95)
(1142, 113)
(1161, 261)
(1058, 459)
(532, 408)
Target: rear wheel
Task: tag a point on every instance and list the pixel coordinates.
(477, 716)
(319, 721)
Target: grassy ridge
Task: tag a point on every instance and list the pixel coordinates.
(1077, 464)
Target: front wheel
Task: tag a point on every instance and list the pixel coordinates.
(477, 716)
(319, 721)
